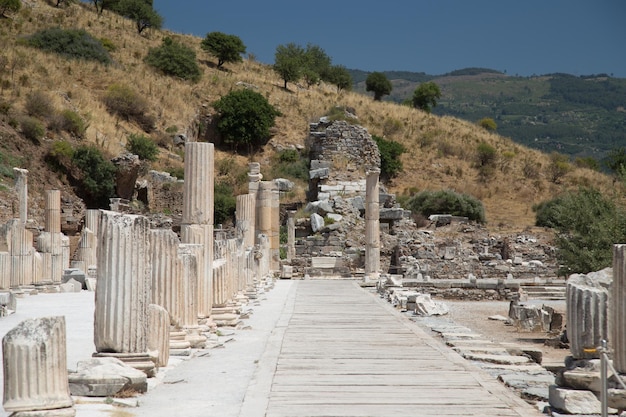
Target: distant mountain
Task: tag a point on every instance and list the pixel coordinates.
(576, 115)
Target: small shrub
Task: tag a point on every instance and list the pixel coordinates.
(530, 168)
(126, 103)
(5, 107)
(39, 104)
(488, 124)
(224, 203)
(72, 123)
(32, 129)
(178, 172)
(70, 43)
(289, 163)
(108, 44)
(175, 59)
(486, 154)
(97, 176)
(447, 202)
(559, 167)
(59, 157)
(143, 147)
(588, 162)
(390, 151)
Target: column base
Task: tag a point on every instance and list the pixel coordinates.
(140, 361)
(59, 412)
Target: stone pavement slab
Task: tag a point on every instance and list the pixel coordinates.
(341, 351)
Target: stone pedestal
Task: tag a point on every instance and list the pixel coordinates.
(587, 312)
(123, 289)
(35, 368)
(372, 226)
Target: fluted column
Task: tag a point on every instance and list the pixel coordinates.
(197, 223)
(291, 235)
(35, 367)
(164, 245)
(22, 251)
(123, 288)
(268, 219)
(587, 312)
(618, 309)
(190, 268)
(246, 214)
(92, 222)
(372, 226)
(254, 177)
(5, 270)
(53, 211)
(21, 187)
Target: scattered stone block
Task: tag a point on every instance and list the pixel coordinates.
(317, 222)
(105, 377)
(71, 286)
(574, 401)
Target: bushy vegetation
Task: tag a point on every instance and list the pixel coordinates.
(587, 225)
(9, 6)
(425, 96)
(225, 203)
(291, 164)
(378, 84)
(39, 104)
(70, 43)
(96, 175)
(32, 129)
(174, 59)
(226, 48)
(390, 151)
(128, 104)
(143, 147)
(71, 122)
(139, 11)
(488, 124)
(244, 118)
(447, 202)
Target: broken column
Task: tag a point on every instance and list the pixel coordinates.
(159, 335)
(587, 312)
(123, 290)
(246, 213)
(291, 235)
(268, 219)
(618, 309)
(35, 368)
(22, 254)
(51, 243)
(254, 177)
(197, 223)
(372, 226)
(21, 187)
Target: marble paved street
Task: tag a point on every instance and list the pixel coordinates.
(338, 350)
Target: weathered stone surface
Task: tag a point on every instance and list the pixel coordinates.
(617, 311)
(587, 312)
(105, 377)
(126, 174)
(574, 401)
(426, 306)
(317, 222)
(33, 352)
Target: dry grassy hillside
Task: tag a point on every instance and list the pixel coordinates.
(441, 151)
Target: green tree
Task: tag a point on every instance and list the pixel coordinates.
(289, 62)
(317, 64)
(587, 225)
(559, 167)
(378, 83)
(97, 176)
(390, 151)
(616, 161)
(141, 12)
(143, 147)
(10, 6)
(488, 124)
(340, 77)
(226, 48)
(426, 95)
(175, 59)
(244, 117)
(447, 202)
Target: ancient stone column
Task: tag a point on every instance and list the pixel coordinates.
(164, 246)
(50, 242)
(190, 266)
(5, 270)
(159, 335)
(268, 219)
(372, 226)
(35, 368)
(291, 235)
(618, 309)
(92, 221)
(197, 223)
(254, 177)
(21, 186)
(123, 289)
(22, 252)
(246, 214)
(587, 312)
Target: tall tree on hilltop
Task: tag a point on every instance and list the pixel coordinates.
(289, 62)
(140, 11)
(226, 48)
(340, 76)
(425, 96)
(378, 83)
(316, 64)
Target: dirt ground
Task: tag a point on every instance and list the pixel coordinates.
(475, 315)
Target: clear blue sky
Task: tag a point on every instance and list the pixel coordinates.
(523, 37)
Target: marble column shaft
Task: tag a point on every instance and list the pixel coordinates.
(159, 336)
(618, 309)
(191, 268)
(291, 235)
(268, 219)
(164, 246)
(587, 313)
(21, 186)
(254, 177)
(35, 366)
(123, 284)
(246, 213)
(372, 225)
